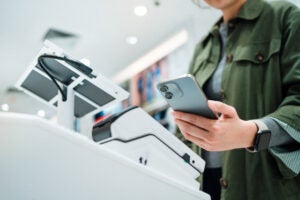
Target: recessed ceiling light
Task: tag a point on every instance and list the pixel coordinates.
(152, 57)
(41, 113)
(140, 11)
(5, 107)
(131, 40)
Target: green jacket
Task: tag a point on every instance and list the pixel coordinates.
(261, 78)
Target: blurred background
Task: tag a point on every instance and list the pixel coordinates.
(131, 42)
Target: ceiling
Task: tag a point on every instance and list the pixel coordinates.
(102, 26)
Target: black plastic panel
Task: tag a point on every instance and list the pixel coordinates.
(94, 93)
(101, 133)
(82, 107)
(40, 86)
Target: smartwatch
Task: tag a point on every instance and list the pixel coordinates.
(262, 138)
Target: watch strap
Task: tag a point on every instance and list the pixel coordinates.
(260, 125)
(262, 137)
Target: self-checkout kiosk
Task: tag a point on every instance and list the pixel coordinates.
(128, 155)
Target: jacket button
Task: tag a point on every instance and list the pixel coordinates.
(229, 58)
(223, 96)
(259, 56)
(223, 183)
(231, 25)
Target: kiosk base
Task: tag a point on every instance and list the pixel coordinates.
(40, 160)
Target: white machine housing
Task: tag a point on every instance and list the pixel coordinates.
(136, 135)
(41, 160)
(134, 157)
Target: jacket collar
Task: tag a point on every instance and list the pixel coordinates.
(249, 11)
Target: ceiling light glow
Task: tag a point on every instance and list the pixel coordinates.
(140, 11)
(152, 57)
(131, 40)
(5, 107)
(41, 113)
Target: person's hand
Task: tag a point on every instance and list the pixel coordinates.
(225, 133)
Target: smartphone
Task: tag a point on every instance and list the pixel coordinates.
(184, 94)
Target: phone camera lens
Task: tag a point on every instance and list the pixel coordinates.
(169, 95)
(164, 88)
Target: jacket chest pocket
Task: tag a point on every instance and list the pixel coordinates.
(257, 53)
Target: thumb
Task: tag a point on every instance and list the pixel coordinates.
(224, 109)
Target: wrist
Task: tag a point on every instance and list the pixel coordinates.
(262, 138)
(250, 133)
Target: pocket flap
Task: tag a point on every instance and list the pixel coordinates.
(258, 52)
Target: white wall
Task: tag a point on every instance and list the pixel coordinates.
(197, 28)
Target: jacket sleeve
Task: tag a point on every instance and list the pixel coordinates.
(288, 113)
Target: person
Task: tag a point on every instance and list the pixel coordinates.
(249, 63)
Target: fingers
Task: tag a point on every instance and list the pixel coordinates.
(192, 130)
(196, 120)
(197, 141)
(219, 107)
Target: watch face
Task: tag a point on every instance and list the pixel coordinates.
(263, 140)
